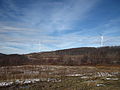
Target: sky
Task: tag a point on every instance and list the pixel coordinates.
(28, 26)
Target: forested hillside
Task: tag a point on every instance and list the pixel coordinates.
(13, 59)
(79, 56)
(74, 56)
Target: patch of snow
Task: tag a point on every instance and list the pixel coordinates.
(27, 82)
(111, 78)
(19, 82)
(103, 74)
(84, 77)
(115, 73)
(74, 75)
(98, 85)
(35, 80)
(4, 84)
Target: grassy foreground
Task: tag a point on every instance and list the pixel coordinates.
(60, 77)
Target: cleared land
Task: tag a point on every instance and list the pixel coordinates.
(51, 77)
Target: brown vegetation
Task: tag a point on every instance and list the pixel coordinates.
(79, 56)
(13, 60)
(75, 56)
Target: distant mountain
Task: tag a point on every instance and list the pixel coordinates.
(79, 56)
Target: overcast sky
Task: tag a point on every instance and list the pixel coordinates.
(43, 25)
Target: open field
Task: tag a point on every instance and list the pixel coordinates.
(49, 77)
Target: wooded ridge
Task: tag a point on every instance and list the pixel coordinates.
(74, 56)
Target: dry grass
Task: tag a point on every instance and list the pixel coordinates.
(62, 77)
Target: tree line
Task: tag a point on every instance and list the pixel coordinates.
(75, 56)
